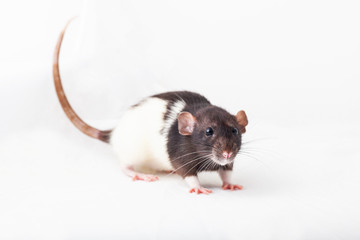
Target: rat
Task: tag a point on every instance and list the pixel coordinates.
(178, 132)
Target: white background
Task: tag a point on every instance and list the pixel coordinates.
(292, 65)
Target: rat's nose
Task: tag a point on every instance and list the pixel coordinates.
(227, 154)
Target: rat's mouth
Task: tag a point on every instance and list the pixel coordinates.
(222, 161)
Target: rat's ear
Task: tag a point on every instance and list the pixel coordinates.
(186, 122)
(242, 120)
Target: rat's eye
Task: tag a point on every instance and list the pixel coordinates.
(235, 131)
(209, 131)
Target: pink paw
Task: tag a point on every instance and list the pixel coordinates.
(231, 187)
(200, 190)
(146, 178)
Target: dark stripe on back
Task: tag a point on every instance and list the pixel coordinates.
(193, 100)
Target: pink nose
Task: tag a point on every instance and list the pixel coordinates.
(227, 155)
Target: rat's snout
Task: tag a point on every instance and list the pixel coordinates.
(227, 154)
(224, 157)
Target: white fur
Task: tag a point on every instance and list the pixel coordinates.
(193, 181)
(225, 176)
(140, 139)
(174, 111)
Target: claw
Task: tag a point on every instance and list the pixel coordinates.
(232, 187)
(200, 190)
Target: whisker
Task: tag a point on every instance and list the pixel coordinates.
(255, 158)
(256, 140)
(203, 166)
(214, 164)
(259, 149)
(262, 153)
(191, 161)
(208, 166)
(189, 154)
(206, 159)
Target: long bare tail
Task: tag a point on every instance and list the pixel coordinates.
(74, 118)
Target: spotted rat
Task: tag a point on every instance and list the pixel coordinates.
(183, 133)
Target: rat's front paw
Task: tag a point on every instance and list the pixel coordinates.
(231, 187)
(200, 190)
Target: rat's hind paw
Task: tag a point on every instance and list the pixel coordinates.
(129, 171)
(232, 187)
(145, 177)
(200, 190)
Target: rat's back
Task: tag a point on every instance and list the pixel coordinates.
(140, 139)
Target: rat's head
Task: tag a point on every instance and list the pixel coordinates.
(214, 132)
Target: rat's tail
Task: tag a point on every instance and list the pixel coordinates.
(74, 118)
